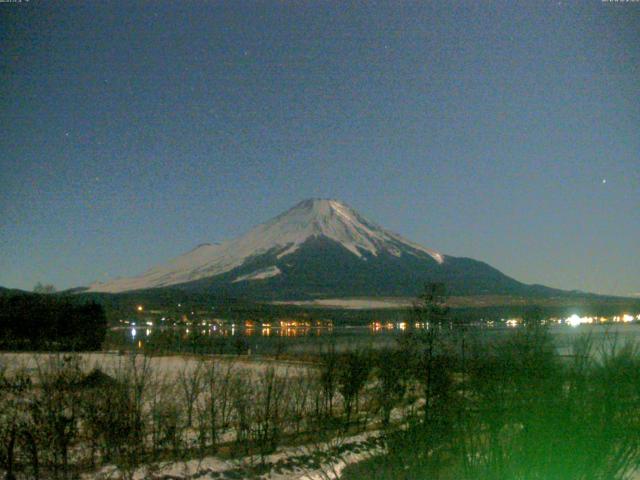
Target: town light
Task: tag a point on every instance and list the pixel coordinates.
(574, 320)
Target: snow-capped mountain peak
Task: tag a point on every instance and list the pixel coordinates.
(281, 236)
(338, 222)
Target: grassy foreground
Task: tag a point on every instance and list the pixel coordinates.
(516, 409)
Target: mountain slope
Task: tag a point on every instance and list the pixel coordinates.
(323, 268)
(320, 248)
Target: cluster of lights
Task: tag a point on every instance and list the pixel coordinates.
(626, 318)
(294, 323)
(575, 320)
(134, 332)
(289, 327)
(378, 326)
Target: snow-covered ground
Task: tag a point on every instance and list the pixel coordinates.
(170, 365)
(319, 461)
(312, 461)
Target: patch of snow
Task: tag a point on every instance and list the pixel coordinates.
(336, 455)
(260, 274)
(352, 303)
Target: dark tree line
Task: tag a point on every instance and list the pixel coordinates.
(46, 322)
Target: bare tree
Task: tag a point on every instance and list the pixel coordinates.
(217, 404)
(301, 397)
(125, 437)
(432, 311)
(391, 373)
(268, 405)
(12, 417)
(352, 375)
(241, 394)
(329, 378)
(60, 404)
(190, 382)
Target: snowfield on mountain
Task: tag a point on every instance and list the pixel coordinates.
(316, 249)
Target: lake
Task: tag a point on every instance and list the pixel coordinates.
(299, 340)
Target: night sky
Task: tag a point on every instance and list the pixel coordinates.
(508, 132)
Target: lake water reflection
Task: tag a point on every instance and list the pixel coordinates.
(269, 339)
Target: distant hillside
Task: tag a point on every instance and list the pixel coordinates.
(12, 291)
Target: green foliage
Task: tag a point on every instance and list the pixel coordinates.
(516, 410)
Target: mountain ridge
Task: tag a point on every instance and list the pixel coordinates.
(320, 247)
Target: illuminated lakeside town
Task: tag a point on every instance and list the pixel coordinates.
(202, 323)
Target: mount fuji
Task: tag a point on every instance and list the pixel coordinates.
(320, 248)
